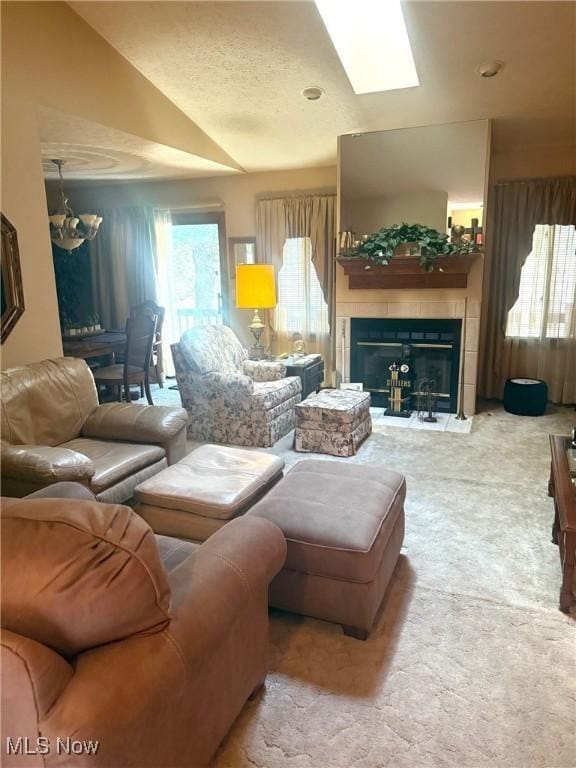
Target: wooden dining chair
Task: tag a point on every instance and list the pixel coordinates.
(140, 335)
(150, 308)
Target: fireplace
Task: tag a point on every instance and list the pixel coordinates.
(430, 347)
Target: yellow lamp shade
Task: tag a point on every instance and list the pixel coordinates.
(255, 286)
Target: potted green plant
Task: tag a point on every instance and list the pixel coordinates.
(405, 239)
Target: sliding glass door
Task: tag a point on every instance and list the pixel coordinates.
(198, 270)
(191, 272)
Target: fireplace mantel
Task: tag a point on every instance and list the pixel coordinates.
(406, 272)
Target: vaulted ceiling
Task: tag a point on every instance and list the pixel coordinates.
(237, 70)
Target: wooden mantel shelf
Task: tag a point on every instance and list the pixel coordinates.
(406, 272)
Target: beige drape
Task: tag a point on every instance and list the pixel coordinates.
(271, 231)
(122, 263)
(514, 210)
(301, 216)
(553, 360)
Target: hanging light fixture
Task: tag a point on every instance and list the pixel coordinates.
(67, 230)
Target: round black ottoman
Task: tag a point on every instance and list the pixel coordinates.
(525, 397)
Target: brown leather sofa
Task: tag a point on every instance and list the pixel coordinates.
(53, 429)
(147, 645)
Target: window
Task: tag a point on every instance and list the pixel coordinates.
(301, 306)
(545, 308)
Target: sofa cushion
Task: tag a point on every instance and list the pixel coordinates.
(212, 348)
(267, 394)
(139, 423)
(212, 481)
(74, 581)
(113, 462)
(46, 403)
(276, 412)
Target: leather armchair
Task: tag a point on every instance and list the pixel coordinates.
(53, 429)
(229, 398)
(147, 645)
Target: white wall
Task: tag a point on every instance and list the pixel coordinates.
(36, 335)
(533, 162)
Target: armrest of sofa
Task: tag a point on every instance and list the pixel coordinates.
(234, 385)
(44, 463)
(262, 370)
(35, 675)
(212, 587)
(135, 423)
(64, 490)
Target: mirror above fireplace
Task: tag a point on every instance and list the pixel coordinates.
(416, 175)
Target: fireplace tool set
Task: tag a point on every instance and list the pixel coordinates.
(426, 400)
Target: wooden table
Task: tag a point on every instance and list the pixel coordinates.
(562, 488)
(107, 344)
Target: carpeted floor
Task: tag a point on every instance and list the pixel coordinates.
(471, 665)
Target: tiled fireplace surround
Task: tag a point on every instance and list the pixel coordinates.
(408, 303)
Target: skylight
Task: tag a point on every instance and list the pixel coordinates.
(371, 40)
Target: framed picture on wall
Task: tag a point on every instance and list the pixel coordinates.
(242, 250)
(11, 289)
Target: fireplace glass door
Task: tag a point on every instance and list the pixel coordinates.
(430, 349)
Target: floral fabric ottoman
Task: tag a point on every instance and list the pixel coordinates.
(334, 421)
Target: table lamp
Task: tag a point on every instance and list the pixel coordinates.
(256, 289)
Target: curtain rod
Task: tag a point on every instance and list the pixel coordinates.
(535, 180)
(294, 195)
(199, 207)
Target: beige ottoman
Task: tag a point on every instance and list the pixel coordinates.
(335, 421)
(206, 489)
(344, 525)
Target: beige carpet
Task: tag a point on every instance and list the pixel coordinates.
(472, 665)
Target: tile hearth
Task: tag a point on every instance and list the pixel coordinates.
(447, 422)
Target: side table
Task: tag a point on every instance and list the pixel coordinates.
(563, 490)
(311, 371)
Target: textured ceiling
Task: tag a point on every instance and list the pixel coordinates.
(91, 151)
(237, 70)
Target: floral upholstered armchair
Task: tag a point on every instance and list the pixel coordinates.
(229, 398)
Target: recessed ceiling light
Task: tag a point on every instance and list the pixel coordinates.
(372, 42)
(490, 68)
(313, 92)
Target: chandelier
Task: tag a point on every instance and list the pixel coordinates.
(67, 230)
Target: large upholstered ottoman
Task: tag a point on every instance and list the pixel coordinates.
(344, 525)
(335, 421)
(206, 489)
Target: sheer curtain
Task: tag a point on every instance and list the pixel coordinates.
(301, 310)
(298, 235)
(516, 209)
(122, 263)
(166, 286)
